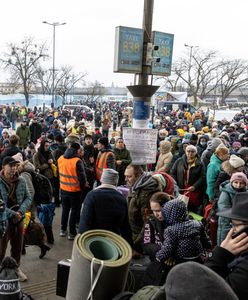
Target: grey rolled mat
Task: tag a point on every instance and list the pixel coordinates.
(99, 266)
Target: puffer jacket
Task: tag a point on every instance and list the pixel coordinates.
(24, 134)
(183, 238)
(212, 174)
(165, 157)
(42, 165)
(206, 155)
(139, 206)
(123, 155)
(225, 202)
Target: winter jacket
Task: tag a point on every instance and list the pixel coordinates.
(213, 171)
(201, 148)
(165, 157)
(206, 155)
(35, 132)
(125, 157)
(25, 169)
(183, 238)
(24, 134)
(23, 198)
(89, 151)
(42, 165)
(139, 206)
(196, 173)
(225, 202)
(233, 269)
(153, 236)
(106, 208)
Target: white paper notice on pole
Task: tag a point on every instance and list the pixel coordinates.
(142, 144)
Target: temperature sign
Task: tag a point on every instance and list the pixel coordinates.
(128, 50)
(164, 41)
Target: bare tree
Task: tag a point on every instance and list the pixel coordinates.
(199, 73)
(206, 73)
(64, 81)
(22, 62)
(233, 75)
(94, 92)
(67, 81)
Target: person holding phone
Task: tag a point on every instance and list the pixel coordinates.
(230, 259)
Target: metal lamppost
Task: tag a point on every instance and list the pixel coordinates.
(190, 59)
(54, 24)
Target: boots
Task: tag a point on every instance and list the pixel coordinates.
(43, 250)
(49, 234)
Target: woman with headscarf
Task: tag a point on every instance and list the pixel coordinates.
(188, 171)
(42, 159)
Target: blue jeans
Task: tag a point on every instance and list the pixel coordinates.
(71, 205)
(14, 124)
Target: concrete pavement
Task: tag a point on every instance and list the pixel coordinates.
(42, 273)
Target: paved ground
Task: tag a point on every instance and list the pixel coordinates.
(42, 273)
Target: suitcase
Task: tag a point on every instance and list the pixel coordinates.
(63, 270)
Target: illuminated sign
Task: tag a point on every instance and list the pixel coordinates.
(128, 50)
(165, 43)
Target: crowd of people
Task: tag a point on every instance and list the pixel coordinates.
(201, 170)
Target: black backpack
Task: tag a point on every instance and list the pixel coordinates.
(43, 188)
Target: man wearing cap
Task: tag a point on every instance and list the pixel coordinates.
(105, 158)
(106, 208)
(230, 259)
(14, 193)
(24, 134)
(72, 181)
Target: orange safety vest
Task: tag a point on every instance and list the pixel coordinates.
(101, 163)
(68, 177)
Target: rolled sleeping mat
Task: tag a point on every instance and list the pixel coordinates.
(99, 266)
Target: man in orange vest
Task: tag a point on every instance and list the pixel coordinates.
(105, 158)
(72, 181)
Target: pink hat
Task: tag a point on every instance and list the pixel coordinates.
(239, 176)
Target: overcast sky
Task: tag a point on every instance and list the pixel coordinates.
(86, 42)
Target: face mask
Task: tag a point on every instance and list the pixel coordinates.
(239, 190)
(203, 143)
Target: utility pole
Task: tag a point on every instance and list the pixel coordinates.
(190, 65)
(54, 24)
(143, 92)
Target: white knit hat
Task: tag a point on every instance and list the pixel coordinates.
(110, 176)
(236, 161)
